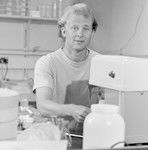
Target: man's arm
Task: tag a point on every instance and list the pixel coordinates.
(47, 107)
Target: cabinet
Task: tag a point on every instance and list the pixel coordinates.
(26, 36)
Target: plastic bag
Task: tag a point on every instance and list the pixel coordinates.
(40, 132)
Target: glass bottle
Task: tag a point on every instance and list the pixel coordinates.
(25, 119)
(9, 7)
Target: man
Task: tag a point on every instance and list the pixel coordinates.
(61, 77)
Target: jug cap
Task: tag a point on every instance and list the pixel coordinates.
(104, 108)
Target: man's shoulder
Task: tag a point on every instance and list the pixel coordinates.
(49, 57)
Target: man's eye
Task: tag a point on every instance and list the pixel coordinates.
(86, 28)
(75, 28)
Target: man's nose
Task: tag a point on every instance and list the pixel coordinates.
(80, 32)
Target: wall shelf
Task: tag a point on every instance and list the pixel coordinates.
(24, 50)
(23, 53)
(27, 18)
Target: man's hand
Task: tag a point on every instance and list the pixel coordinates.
(46, 106)
(79, 112)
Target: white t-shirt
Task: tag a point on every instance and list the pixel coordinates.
(67, 79)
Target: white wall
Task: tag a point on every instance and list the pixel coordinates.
(128, 20)
(124, 26)
(102, 10)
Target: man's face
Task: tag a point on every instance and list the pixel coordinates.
(78, 31)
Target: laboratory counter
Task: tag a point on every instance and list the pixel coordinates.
(77, 145)
(77, 139)
(126, 148)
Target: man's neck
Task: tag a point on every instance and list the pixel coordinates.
(76, 55)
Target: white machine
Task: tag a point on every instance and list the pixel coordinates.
(125, 83)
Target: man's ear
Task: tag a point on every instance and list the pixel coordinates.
(92, 37)
(63, 31)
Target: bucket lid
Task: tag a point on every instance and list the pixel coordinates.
(104, 108)
(5, 92)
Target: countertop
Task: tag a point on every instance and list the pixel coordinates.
(77, 145)
(77, 142)
(126, 148)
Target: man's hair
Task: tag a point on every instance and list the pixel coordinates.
(78, 9)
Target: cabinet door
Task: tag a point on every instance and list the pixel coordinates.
(12, 34)
(44, 37)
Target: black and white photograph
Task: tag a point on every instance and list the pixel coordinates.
(73, 74)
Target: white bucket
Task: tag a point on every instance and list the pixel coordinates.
(8, 114)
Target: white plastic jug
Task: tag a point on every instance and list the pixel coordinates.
(103, 127)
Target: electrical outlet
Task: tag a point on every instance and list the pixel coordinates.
(3, 60)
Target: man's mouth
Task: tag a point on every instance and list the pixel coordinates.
(79, 41)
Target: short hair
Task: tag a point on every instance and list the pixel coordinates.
(78, 9)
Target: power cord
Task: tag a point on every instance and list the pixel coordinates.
(120, 142)
(134, 33)
(4, 67)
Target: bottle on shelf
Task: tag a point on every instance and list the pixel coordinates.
(34, 9)
(54, 9)
(43, 9)
(49, 10)
(59, 9)
(23, 7)
(9, 7)
(3, 6)
(17, 7)
(27, 8)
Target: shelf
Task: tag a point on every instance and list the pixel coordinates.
(13, 68)
(24, 52)
(27, 18)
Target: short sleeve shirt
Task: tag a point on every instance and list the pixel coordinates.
(67, 79)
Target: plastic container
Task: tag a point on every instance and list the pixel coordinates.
(8, 114)
(103, 127)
